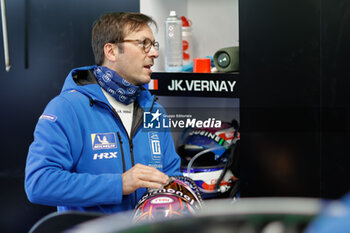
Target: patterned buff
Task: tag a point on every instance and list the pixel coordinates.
(116, 86)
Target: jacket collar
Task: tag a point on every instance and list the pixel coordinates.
(82, 79)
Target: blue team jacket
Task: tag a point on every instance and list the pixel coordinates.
(81, 148)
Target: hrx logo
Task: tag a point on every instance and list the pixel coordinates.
(107, 155)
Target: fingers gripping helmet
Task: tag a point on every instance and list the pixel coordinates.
(207, 156)
(180, 197)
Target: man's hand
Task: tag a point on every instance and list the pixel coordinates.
(142, 176)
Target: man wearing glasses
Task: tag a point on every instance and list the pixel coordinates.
(90, 150)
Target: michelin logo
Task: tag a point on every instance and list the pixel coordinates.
(102, 141)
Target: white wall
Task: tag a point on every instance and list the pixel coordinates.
(214, 23)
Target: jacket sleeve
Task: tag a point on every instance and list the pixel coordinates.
(49, 174)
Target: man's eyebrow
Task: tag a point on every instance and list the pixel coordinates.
(144, 38)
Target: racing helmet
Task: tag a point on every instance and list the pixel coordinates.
(208, 156)
(180, 197)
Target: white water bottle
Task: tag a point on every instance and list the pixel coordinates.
(173, 43)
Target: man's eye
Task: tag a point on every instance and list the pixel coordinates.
(147, 42)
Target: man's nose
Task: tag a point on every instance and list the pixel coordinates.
(153, 52)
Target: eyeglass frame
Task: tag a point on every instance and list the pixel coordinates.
(155, 44)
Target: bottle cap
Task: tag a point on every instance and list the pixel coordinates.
(172, 13)
(185, 22)
(201, 65)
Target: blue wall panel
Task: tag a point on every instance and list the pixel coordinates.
(46, 40)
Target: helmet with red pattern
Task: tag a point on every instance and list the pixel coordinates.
(180, 197)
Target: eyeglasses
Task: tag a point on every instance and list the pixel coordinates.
(146, 44)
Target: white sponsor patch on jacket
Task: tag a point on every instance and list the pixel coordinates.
(154, 144)
(49, 117)
(107, 155)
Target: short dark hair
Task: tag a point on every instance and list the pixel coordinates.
(112, 28)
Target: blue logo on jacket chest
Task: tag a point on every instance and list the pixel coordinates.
(102, 141)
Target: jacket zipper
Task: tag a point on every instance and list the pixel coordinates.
(131, 145)
(122, 150)
(138, 124)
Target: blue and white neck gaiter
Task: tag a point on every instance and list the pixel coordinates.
(116, 86)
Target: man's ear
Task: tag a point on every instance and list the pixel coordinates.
(110, 51)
